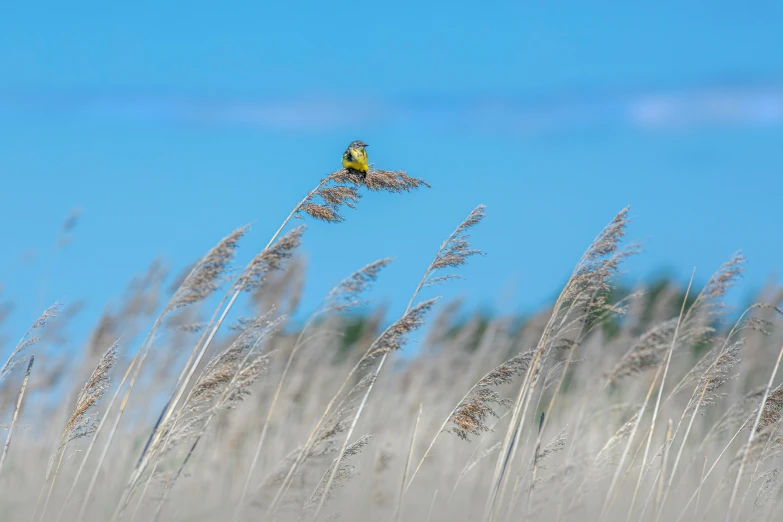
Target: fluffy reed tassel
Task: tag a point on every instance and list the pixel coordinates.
(82, 422)
(26, 341)
(341, 477)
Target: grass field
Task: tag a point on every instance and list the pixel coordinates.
(609, 405)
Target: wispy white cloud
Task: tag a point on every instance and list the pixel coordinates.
(711, 106)
(655, 109)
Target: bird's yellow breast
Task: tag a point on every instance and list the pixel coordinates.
(356, 159)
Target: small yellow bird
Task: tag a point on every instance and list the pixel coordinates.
(355, 157)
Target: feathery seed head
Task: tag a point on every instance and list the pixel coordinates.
(209, 273)
(340, 189)
(604, 455)
(345, 472)
(772, 411)
(48, 314)
(470, 416)
(552, 447)
(81, 423)
(587, 289)
(339, 195)
(456, 250)
(348, 291)
(395, 181)
(322, 213)
(269, 259)
(737, 414)
(14, 359)
(508, 371)
(225, 365)
(725, 277)
(769, 488)
(396, 336)
(720, 371)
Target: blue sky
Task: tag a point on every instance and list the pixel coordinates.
(169, 126)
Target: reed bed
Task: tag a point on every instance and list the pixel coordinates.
(198, 398)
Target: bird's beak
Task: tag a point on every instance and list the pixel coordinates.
(366, 145)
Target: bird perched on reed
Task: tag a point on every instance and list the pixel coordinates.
(355, 157)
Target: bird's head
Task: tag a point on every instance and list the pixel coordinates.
(357, 144)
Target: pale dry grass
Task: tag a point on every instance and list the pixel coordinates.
(210, 415)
